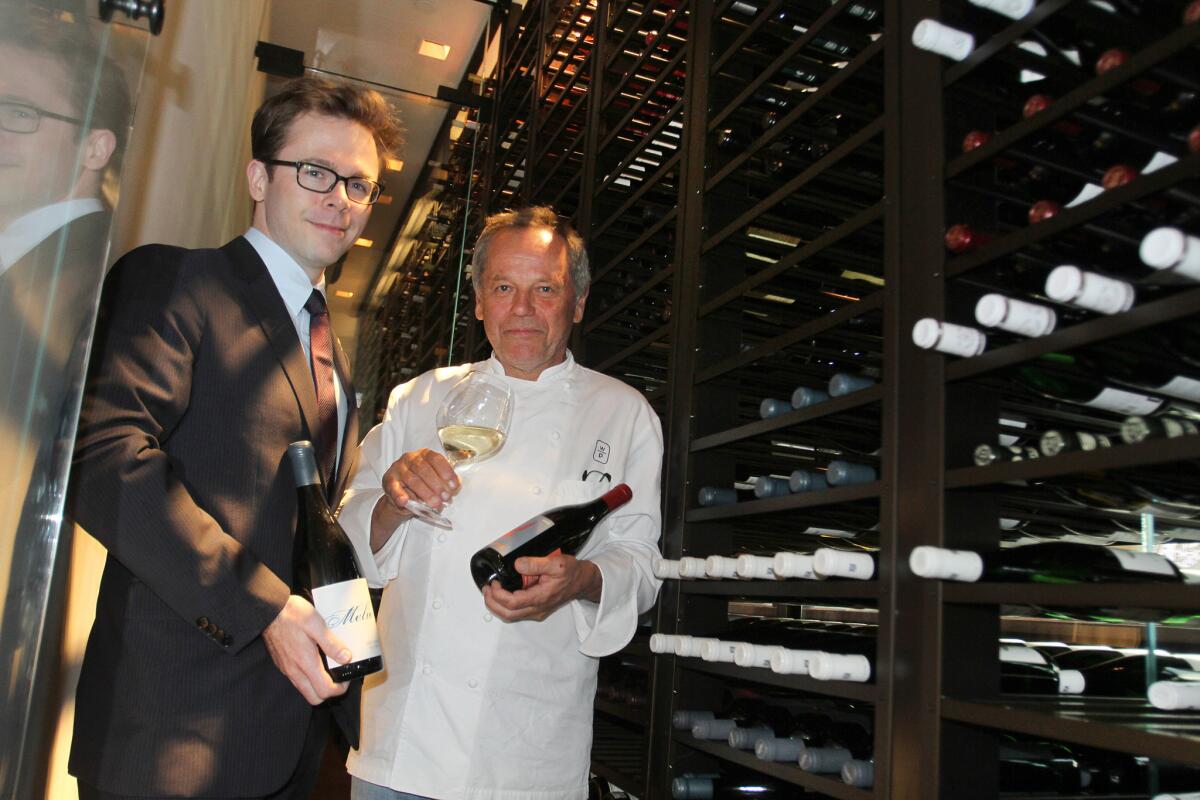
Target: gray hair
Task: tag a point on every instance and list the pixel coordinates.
(533, 217)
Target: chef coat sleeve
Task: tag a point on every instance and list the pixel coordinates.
(627, 546)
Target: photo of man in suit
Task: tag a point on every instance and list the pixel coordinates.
(203, 674)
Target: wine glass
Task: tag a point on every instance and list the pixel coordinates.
(472, 423)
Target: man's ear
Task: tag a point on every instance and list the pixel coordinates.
(579, 304)
(257, 180)
(98, 147)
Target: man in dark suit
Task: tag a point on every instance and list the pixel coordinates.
(203, 670)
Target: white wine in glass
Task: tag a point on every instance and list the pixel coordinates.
(472, 423)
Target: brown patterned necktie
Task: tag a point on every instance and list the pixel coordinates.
(320, 345)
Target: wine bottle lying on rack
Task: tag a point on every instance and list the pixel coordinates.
(1138, 429)
(1045, 562)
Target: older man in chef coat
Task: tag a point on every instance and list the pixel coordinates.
(489, 696)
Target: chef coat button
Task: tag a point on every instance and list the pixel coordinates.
(437, 603)
(488, 618)
(555, 436)
(428, 670)
(441, 537)
(536, 490)
(473, 683)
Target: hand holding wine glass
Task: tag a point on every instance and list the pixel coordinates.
(472, 423)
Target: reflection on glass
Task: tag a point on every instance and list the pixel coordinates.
(64, 116)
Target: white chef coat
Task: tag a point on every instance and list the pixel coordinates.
(468, 706)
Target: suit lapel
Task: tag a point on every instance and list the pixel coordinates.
(278, 327)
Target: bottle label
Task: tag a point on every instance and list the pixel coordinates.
(522, 534)
(346, 609)
(1122, 402)
(1183, 388)
(1143, 562)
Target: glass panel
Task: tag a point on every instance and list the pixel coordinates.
(66, 94)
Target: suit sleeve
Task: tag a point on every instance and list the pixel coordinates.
(126, 490)
(625, 554)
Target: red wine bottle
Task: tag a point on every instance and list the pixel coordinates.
(326, 572)
(563, 529)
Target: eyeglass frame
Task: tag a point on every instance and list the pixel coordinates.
(38, 113)
(299, 165)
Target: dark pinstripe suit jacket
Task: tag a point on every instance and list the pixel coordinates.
(197, 384)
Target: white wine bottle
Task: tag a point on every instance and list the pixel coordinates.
(565, 529)
(327, 573)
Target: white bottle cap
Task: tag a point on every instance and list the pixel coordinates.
(1172, 249)
(720, 567)
(1069, 284)
(952, 565)
(795, 565)
(1015, 316)
(1013, 9)
(748, 738)
(786, 661)
(717, 651)
(684, 719)
(1071, 681)
(857, 772)
(804, 397)
(931, 35)
(666, 568)
(754, 655)
(779, 749)
(946, 337)
(689, 788)
(691, 567)
(824, 759)
(1174, 695)
(841, 564)
(840, 667)
(715, 729)
(662, 643)
(760, 567)
(691, 646)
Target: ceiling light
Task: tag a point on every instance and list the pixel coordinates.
(343, 293)
(434, 50)
(393, 164)
(364, 242)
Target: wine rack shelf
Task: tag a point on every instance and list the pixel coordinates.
(1096, 722)
(827, 786)
(764, 187)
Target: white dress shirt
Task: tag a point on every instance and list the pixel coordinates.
(295, 288)
(29, 230)
(469, 707)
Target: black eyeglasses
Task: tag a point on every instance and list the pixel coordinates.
(323, 180)
(24, 118)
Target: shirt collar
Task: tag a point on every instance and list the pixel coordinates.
(29, 230)
(559, 372)
(290, 278)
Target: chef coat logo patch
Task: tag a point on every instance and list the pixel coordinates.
(600, 454)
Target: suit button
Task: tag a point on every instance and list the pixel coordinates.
(473, 683)
(202, 622)
(428, 670)
(441, 537)
(437, 603)
(536, 490)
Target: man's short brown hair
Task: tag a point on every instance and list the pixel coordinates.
(313, 95)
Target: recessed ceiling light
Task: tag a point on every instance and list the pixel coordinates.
(393, 164)
(434, 50)
(364, 242)
(344, 293)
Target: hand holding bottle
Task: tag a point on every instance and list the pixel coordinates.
(551, 582)
(295, 640)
